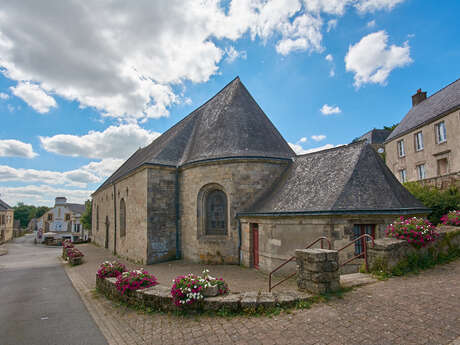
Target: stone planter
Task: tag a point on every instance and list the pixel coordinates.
(211, 291)
(75, 261)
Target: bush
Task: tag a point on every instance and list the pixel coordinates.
(188, 289)
(440, 202)
(452, 218)
(135, 280)
(110, 269)
(417, 231)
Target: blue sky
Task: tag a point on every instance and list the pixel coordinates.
(82, 87)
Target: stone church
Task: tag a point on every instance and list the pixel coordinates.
(223, 186)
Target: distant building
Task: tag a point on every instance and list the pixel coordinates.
(375, 137)
(6, 222)
(426, 144)
(62, 222)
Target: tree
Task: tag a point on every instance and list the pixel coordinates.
(392, 127)
(26, 212)
(86, 218)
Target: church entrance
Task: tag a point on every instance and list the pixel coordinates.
(255, 244)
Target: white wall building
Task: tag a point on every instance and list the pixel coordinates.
(63, 221)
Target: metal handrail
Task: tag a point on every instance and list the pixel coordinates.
(364, 253)
(270, 287)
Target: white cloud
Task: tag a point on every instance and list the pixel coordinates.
(77, 178)
(4, 95)
(372, 60)
(331, 24)
(329, 110)
(16, 148)
(318, 137)
(42, 194)
(371, 24)
(329, 58)
(114, 142)
(233, 54)
(321, 148)
(375, 5)
(298, 149)
(103, 168)
(34, 96)
(303, 140)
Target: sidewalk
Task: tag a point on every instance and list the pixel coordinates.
(417, 309)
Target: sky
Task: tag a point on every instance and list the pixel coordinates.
(85, 84)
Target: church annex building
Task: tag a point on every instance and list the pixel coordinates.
(223, 186)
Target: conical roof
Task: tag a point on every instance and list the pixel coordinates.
(350, 178)
(230, 124)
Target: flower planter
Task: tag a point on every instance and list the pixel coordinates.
(75, 261)
(211, 291)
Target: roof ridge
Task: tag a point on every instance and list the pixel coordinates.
(445, 87)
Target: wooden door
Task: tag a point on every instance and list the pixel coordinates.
(255, 244)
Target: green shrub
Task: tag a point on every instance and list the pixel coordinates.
(440, 202)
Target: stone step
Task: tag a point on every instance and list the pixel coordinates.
(356, 279)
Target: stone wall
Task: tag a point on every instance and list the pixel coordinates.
(133, 189)
(6, 230)
(443, 182)
(279, 237)
(161, 214)
(243, 181)
(388, 252)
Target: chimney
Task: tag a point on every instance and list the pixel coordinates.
(418, 97)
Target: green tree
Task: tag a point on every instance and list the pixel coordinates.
(26, 212)
(440, 202)
(392, 127)
(41, 210)
(86, 217)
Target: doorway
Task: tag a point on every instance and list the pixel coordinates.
(255, 244)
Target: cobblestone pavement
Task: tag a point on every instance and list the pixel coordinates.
(417, 309)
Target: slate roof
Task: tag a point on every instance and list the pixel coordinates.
(351, 178)
(230, 124)
(440, 103)
(375, 136)
(4, 206)
(76, 208)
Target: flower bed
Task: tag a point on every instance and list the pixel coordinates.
(452, 218)
(66, 244)
(135, 280)
(416, 231)
(109, 269)
(74, 256)
(191, 289)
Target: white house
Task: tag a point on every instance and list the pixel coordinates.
(62, 222)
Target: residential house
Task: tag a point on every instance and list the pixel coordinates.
(6, 222)
(425, 146)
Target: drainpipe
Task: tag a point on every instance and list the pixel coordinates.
(239, 242)
(114, 220)
(178, 234)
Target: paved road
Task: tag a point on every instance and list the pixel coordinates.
(38, 304)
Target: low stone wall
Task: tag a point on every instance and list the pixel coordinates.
(318, 270)
(388, 252)
(159, 298)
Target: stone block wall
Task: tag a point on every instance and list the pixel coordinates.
(161, 214)
(243, 181)
(279, 237)
(317, 270)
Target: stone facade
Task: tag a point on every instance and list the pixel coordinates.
(433, 155)
(6, 225)
(280, 237)
(242, 181)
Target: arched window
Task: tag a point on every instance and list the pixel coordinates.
(97, 218)
(122, 218)
(216, 213)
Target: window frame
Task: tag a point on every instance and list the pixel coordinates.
(438, 132)
(420, 168)
(400, 148)
(202, 232)
(210, 230)
(363, 229)
(418, 141)
(403, 175)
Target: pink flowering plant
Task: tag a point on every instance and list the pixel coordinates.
(189, 289)
(135, 280)
(451, 218)
(73, 253)
(417, 231)
(109, 269)
(67, 244)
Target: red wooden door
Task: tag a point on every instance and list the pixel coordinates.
(255, 245)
